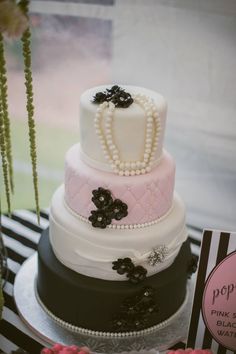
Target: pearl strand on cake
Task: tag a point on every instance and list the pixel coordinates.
(99, 130)
(123, 226)
(113, 151)
(109, 148)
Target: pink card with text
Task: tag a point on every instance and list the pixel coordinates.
(213, 319)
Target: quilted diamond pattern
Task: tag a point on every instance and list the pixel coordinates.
(148, 196)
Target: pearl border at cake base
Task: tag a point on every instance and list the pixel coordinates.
(50, 332)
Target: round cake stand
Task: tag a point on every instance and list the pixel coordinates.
(51, 332)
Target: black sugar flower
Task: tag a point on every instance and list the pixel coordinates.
(99, 218)
(129, 307)
(136, 311)
(137, 274)
(101, 198)
(120, 323)
(152, 308)
(107, 209)
(118, 209)
(116, 95)
(139, 323)
(123, 265)
(147, 308)
(122, 99)
(147, 292)
(139, 306)
(100, 97)
(145, 303)
(114, 90)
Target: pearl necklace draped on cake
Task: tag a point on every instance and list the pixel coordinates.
(106, 137)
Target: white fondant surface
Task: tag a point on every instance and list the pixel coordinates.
(91, 251)
(147, 196)
(129, 127)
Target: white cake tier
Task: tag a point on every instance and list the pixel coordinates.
(91, 251)
(131, 133)
(148, 196)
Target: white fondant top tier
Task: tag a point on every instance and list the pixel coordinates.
(128, 128)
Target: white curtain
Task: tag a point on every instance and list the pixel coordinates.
(186, 50)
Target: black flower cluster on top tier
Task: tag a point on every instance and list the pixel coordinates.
(135, 274)
(107, 208)
(193, 265)
(135, 312)
(116, 95)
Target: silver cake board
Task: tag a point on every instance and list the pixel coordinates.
(48, 330)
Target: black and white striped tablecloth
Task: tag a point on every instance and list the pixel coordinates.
(21, 234)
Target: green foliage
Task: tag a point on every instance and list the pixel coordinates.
(4, 96)
(4, 160)
(5, 128)
(5, 138)
(24, 5)
(30, 109)
(26, 41)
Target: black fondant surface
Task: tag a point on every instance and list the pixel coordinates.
(91, 303)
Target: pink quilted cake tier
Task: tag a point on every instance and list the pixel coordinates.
(148, 196)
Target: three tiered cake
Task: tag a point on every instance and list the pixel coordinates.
(116, 258)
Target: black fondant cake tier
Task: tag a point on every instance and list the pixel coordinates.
(110, 306)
